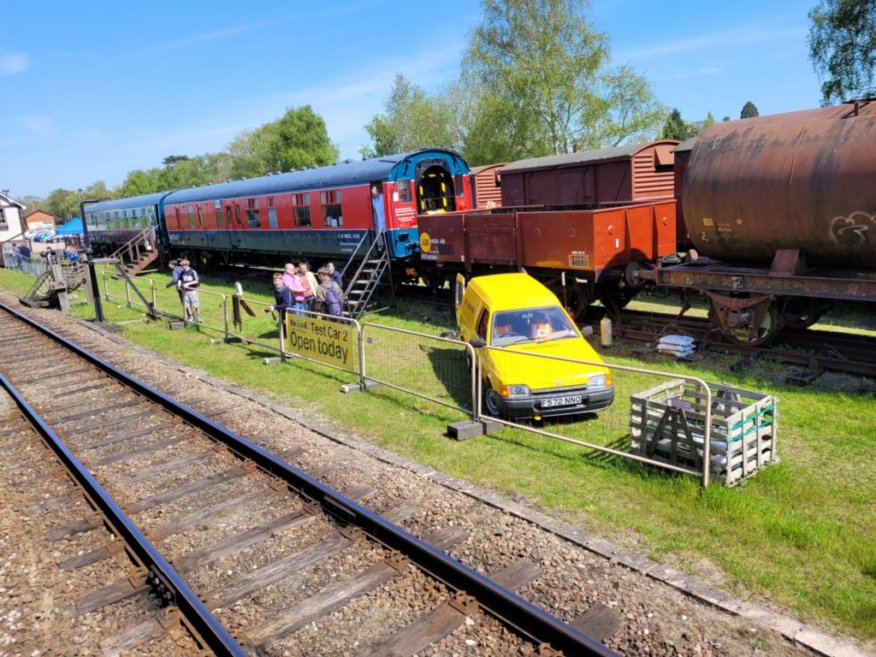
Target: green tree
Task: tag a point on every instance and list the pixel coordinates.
(630, 111)
(411, 119)
(139, 182)
(699, 127)
(749, 110)
(675, 127)
(842, 47)
(543, 67)
(297, 140)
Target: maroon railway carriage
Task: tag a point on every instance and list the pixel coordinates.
(487, 185)
(581, 255)
(641, 172)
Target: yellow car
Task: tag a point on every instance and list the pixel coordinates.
(521, 316)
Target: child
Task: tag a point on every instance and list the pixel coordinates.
(188, 284)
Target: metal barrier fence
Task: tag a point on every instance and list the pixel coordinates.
(611, 429)
(427, 366)
(32, 266)
(436, 369)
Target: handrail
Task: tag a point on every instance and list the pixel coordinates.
(143, 236)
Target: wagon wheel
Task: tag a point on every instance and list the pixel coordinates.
(753, 336)
(617, 299)
(801, 321)
(579, 299)
(800, 314)
(433, 281)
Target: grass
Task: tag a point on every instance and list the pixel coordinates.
(800, 533)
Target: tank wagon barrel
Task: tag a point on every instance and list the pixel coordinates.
(801, 180)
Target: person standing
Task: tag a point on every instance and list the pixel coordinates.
(335, 275)
(175, 271)
(379, 213)
(282, 297)
(308, 281)
(188, 284)
(330, 293)
(292, 280)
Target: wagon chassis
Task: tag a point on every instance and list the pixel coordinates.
(752, 304)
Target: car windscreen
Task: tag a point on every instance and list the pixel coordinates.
(531, 325)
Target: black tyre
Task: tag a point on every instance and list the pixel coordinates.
(492, 401)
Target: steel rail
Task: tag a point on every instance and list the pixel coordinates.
(517, 612)
(208, 629)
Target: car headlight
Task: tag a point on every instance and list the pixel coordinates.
(514, 390)
(597, 381)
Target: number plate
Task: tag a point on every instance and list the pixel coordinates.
(561, 401)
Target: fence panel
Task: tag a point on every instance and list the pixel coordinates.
(430, 367)
(611, 429)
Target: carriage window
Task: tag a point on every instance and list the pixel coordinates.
(217, 206)
(404, 191)
(458, 184)
(237, 214)
(191, 213)
(272, 217)
(252, 213)
(301, 209)
(200, 217)
(331, 208)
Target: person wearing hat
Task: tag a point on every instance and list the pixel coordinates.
(188, 284)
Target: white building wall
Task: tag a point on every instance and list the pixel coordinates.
(10, 223)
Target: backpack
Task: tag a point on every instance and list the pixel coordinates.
(332, 297)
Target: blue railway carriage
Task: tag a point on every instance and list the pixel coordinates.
(322, 212)
(112, 224)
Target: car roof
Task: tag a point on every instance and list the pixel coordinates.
(512, 291)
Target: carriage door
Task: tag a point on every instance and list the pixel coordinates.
(435, 188)
(233, 222)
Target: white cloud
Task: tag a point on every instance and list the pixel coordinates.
(38, 125)
(698, 73)
(737, 36)
(13, 63)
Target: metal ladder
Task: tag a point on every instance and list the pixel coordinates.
(375, 264)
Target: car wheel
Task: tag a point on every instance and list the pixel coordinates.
(492, 401)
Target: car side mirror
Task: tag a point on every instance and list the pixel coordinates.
(477, 343)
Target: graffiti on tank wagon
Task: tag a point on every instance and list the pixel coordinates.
(852, 231)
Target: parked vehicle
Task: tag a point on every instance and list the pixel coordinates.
(519, 329)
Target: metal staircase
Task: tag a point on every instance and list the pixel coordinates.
(374, 265)
(139, 252)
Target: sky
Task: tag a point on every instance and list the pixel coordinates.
(94, 90)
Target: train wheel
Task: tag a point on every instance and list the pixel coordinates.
(617, 300)
(579, 299)
(800, 322)
(800, 314)
(764, 329)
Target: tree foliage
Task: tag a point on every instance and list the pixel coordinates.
(297, 140)
(542, 71)
(675, 127)
(842, 47)
(64, 203)
(411, 119)
(749, 110)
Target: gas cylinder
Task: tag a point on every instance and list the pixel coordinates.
(605, 332)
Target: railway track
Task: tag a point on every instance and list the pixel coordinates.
(815, 351)
(229, 542)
